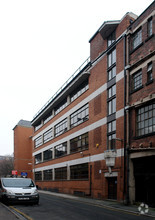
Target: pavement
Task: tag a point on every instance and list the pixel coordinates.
(142, 209)
(5, 213)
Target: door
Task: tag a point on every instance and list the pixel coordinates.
(112, 188)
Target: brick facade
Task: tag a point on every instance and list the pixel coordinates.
(84, 138)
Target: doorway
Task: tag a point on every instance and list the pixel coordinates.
(112, 188)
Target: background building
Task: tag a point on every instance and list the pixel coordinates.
(23, 148)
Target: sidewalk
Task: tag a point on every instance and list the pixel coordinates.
(114, 205)
(5, 213)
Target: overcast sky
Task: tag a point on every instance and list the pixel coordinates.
(42, 43)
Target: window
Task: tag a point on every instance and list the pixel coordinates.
(38, 158)
(112, 91)
(61, 173)
(60, 150)
(80, 116)
(79, 91)
(48, 175)
(38, 141)
(149, 72)
(112, 106)
(47, 117)
(111, 39)
(79, 171)
(137, 80)
(112, 58)
(145, 119)
(149, 27)
(136, 39)
(38, 175)
(111, 73)
(79, 143)
(112, 126)
(61, 127)
(47, 155)
(61, 106)
(38, 126)
(48, 135)
(111, 135)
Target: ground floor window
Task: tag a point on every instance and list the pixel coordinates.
(61, 173)
(48, 174)
(79, 171)
(38, 175)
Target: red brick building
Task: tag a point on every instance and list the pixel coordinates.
(78, 138)
(23, 147)
(141, 101)
(88, 137)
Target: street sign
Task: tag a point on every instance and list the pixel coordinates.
(14, 172)
(24, 174)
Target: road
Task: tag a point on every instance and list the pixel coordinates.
(56, 208)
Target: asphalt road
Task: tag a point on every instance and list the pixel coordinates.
(56, 208)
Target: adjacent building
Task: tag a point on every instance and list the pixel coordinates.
(95, 136)
(23, 148)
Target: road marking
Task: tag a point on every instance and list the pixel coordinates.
(21, 213)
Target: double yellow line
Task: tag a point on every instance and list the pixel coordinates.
(21, 213)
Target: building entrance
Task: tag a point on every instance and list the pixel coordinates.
(144, 172)
(112, 188)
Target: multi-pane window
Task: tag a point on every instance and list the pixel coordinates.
(79, 91)
(38, 158)
(112, 58)
(61, 106)
(60, 150)
(48, 174)
(112, 142)
(48, 135)
(47, 154)
(61, 127)
(111, 39)
(149, 72)
(79, 143)
(145, 119)
(38, 141)
(111, 126)
(149, 27)
(79, 116)
(111, 73)
(112, 91)
(61, 173)
(79, 171)
(47, 117)
(112, 106)
(38, 175)
(137, 80)
(38, 126)
(137, 39)
(111, 135)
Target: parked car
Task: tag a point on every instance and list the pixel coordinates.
(18, 190)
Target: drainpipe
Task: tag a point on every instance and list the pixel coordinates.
(126, 122)
(125, 151)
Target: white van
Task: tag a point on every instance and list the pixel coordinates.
(18, 190)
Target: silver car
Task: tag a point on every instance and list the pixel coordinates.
(18, 190)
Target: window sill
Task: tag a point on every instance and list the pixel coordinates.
(144, 136)
(132, 51)
(149, 82)
(133, 91)
(148, 38)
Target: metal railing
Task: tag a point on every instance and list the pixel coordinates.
(64, 85)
